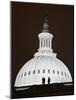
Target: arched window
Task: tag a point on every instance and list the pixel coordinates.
(29, 73)
(43, 70)
(57, 72)
(34, 72)
(38, 71)
(48, 70)
(53, 71)
(61, 73)
(65, 73)
(25, 74)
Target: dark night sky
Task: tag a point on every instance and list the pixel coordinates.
(26, 24)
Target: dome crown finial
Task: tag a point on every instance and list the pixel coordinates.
(45, 24)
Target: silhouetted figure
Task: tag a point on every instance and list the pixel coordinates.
(43, 80)
(48, 80)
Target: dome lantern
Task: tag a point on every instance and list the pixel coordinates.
(45, 41)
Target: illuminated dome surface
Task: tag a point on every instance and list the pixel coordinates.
(45, 67)
(40, 67)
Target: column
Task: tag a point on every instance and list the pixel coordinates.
(50, 43)
(43, 42)
(46, 43)
(40, 43)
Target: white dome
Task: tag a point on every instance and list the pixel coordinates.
(44, 68)
(41, 67)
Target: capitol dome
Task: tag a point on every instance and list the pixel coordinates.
(45, 67)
